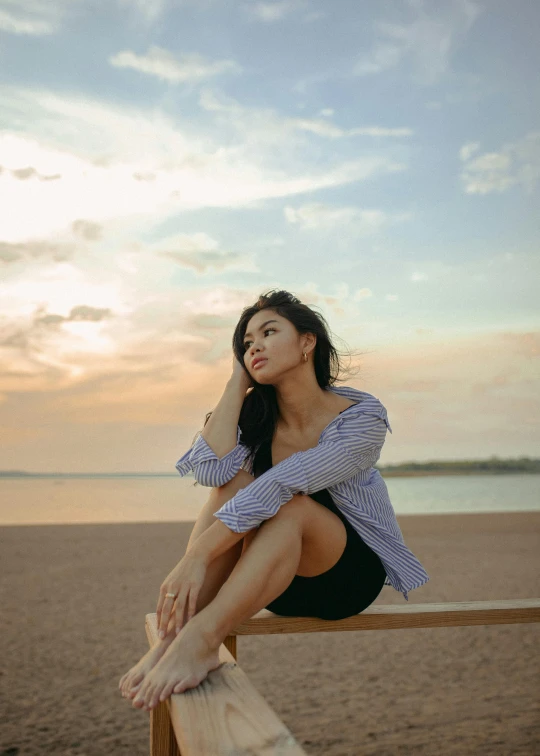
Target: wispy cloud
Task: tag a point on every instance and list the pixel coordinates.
(150, 9)
(159, 62)
(201, 253)
(354, 220)
(267, 124)
(515, 164)
(35, 17)
(269, 12)
(118, 162)
(428, 39)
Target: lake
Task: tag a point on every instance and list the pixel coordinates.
(95, 499)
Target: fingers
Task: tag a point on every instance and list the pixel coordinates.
(187, 603)
(167, 610)
(180, 608)
(192, 606)
(161, 601)
(164, 612)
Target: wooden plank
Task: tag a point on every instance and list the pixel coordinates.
(230, 645)
(225, 715)
(395, 617)
(162, 737)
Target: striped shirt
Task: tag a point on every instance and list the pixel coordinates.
(343, 462)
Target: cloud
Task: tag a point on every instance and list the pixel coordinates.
(60, 319)
(27, 173)
(35, 17)
(119, 162)
(87, 230)
(79, 313)
(200, 253)
(515, 164)
(324, 129)
(268, 12)
(468, 149)
(151, 9)
(429, 39)
(266, 124)
(13, 253)
(361, 294)
(316, 215)
(161, 63)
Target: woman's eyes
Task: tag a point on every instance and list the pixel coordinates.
(265, 332)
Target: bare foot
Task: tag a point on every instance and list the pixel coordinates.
(130, 682)
(184, 665)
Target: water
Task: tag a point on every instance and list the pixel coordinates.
(44, 500)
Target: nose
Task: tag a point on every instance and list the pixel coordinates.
(254, 352)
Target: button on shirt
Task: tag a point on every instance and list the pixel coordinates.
(343, 462)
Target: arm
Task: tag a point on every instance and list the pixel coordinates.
(354, 444)
(213, 542)
(216, 455)
(220, 432)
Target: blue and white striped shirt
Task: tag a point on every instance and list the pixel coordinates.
(343, 462)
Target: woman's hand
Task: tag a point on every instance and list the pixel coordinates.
(240, 374)
(185, 581)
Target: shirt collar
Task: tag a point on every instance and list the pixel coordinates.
(373, 403)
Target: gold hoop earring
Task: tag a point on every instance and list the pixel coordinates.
(305, 356)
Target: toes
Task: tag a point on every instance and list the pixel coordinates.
(143, 695)
(133, 684)
(139, 699)
(153, 698)
(129, 681)
(133, 691)
(124, 681)
(166, 692)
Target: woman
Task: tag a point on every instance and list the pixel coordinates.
(298, 520)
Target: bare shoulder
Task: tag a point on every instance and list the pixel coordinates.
(342, 403)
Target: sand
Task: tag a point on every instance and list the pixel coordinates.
(74, 599)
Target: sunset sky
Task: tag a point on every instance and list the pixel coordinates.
(163, 162)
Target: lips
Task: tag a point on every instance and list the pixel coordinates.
(258, 361)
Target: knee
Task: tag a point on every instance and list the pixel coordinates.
(295, 508)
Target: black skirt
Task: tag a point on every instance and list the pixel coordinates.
(344, 590)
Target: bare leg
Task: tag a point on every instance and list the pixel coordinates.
(220, 568)
(263, 572)
(216, 574)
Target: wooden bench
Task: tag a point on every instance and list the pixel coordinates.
(225, 715)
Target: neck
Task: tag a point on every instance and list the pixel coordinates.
(300, 403)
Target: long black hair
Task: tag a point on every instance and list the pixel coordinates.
(259, 411)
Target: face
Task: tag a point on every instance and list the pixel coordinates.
(278, 342)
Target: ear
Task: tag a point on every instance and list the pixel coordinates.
(310, 340)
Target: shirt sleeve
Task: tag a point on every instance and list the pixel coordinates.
(353, 444)
(209, 469)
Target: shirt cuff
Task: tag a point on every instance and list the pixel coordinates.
(201, 452)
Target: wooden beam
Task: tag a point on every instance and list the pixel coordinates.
(225, 714)
(399, 617)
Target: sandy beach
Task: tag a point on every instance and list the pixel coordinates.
(74, 599)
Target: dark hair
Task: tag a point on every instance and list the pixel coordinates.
(259, 411)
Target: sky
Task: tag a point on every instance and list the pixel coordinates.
(164, 162)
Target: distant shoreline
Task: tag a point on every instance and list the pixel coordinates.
(426, 473)
(384, 472)
(531, 467)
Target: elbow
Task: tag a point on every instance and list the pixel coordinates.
(211, 477)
